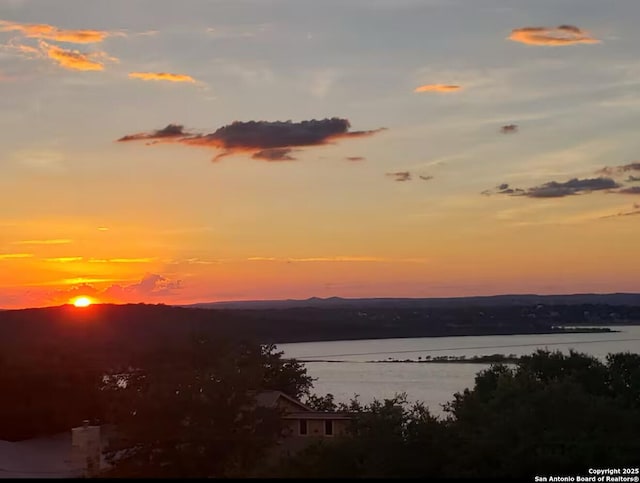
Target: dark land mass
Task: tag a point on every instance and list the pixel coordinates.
(117, 327)
(516, 300)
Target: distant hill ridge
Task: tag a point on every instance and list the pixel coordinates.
(482, 301)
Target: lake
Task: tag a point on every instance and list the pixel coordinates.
(432, 383)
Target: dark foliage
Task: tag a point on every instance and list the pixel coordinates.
(551, 413)
(190, 411)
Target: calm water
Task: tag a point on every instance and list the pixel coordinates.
(434, 384)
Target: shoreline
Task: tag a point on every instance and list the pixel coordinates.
(492, 359)
(572, 330)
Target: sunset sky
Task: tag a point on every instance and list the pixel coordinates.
(179, 152)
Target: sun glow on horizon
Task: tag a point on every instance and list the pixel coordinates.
(82, 301)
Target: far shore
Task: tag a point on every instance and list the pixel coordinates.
(457, 333)
(489, 359)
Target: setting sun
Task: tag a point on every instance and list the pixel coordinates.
(82, 302)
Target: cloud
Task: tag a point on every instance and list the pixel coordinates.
(339, 258)
(166, 133)
(631, 190)
(509, 129)
(268, 140)
(274, 154)
(438, 88)
(238, 31)
(400, 175)
(63, 259)
(151, 285)
(355, 158)
(322, 82)
(26, 50)
(147, 33)
(552, 36)
(632, 212)
(624, 168)
(630, 167)
(52, 241)
(554, 189)
(504, 189)
(83, 289)
(121, 260)
(198, 261)
(81, 280)
(11, 256)
(407, 176)
(74, 59)
(162, 76)
(574, 186)
(49, 32)
(68, 59)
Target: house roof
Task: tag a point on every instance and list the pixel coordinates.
(316, 415)
(270, 399)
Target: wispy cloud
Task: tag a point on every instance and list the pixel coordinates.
(49, 32)
(341, 259)
(147, 33)
(74, 59)
(51, 241)
(151, 285)
(24, 49)
(624, 168)
(407, 176)
(554, 189)
(64, 259)
(338, 259)
(400, 175)
(267, 140)
(504, 189)
(198, 261)
(509, 129)
(552, 36)
(237, 31)
(162, 76)
(121, 260)
(322, 82)
(171, 131)
(444, 88)
(11, 256)
(274, 154)
(83, 280)
(634, 211)
(631, 190)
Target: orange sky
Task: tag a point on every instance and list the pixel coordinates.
(234, 151)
